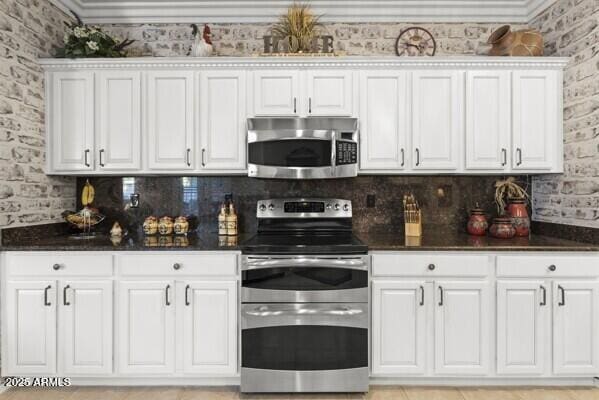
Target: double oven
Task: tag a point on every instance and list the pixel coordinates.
(304, 323)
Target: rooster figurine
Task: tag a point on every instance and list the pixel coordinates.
(202, 45)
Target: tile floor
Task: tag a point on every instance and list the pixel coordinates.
(229, 393)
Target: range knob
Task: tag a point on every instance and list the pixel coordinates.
(346, 207)
(262, 207)
(329, 206)
(337, 207)
(271, 206)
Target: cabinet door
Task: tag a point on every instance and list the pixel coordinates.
(487, 120)
(330, 93)
(536, 120)
(276, 92)
(437, 119)
(146, 327)
(169, 116)
(31, 328)
(86, 327)
(576, 328)
(119, 119)
(399, 328)
(522, 327)
(384, 120)
(71, 121)
(223, 120)
(462, 327)
(210, 327)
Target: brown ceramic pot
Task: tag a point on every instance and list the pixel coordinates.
(519, 215)
(502, 228)
(525, 42)
(477, 223)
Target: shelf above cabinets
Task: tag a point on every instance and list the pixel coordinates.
(468, 115)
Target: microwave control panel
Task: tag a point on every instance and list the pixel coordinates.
(347, 152)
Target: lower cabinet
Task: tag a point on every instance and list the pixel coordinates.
(147, 332)
(400, 310)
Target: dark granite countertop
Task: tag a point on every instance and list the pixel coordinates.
(192, 242)
(454, 241)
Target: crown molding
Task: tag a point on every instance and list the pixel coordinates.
(266, 11)
(54, 64)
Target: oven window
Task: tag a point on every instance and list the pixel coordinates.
(305, 278)
(304, 347)
(291, 153)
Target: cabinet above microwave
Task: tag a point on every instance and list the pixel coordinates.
(466, 115)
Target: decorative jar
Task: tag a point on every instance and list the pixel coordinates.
(519, 215)
(181, 226)
(150, 225)
(165, 225)
(477, 223)
(502, 228)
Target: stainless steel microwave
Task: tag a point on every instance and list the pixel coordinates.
(302, 148)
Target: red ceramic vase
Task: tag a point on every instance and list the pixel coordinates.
(519, 215)
(502, 228)
(477, 224)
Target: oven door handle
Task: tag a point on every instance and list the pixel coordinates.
(265, 262)
(266, 311)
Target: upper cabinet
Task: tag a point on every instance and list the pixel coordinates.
(474, 115)
(330, 92)
(71, 121)
(436, 119)
(119, 119)
(222, 120)
(487, 120)
(276, 92)
(169, 120)
(384, 120)
(537, 120)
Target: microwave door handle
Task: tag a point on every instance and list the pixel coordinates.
(333, 152)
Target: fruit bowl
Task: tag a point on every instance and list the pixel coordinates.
(83, 220)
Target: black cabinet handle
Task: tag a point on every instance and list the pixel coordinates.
(294, 105)
(417, 157)
(403, 157)
(440, 296)
(309, 105)
(187, 295)
(64, 295)
(167, 291)
(56, 267)
(46, 302)
(203, 157)
(519, 156)
(188, 157)
(85, 156)
(101, 161)
(544, 298)
(421, 295)
(504, 153)
(561, 290)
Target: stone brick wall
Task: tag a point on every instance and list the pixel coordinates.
(163, 40)
(28, 29)
(571, 28)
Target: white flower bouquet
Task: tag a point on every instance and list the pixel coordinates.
(81, 40)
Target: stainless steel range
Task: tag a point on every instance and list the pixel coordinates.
(304, 294)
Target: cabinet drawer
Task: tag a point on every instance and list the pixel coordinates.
(540, 265)
(180, 264)
(60, 264)
(430, 265)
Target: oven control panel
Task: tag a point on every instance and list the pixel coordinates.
(347, 152)
(304, 208)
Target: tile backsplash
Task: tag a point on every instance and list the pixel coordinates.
(445, 199)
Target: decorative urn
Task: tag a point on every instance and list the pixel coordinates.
(502, 228)
(477, 223)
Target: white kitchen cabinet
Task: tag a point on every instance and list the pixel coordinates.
(437, 119)
(576, 328)
(170, 120)
(384, 120)
(399, 328)
(85, 327)
(462, 327)
(537, 119)
(209, 313)
(30, 334)
(330, 93)
(222, 120)
(523, 329)
(146, 327)
(276, 92)
(71, 121)
(118, 120)
(487, 120)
